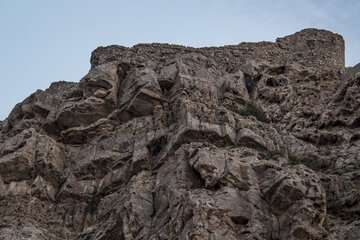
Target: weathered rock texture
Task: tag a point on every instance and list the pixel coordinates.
(157, 141)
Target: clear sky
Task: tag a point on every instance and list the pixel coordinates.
(46, 41)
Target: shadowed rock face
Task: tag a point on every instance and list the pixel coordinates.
(157, 141)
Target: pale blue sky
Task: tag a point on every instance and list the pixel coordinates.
(46, 41)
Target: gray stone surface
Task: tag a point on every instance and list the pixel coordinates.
(158, 141)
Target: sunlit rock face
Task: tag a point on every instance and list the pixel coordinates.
(157, 141)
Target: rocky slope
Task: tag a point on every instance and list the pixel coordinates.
(157, 141)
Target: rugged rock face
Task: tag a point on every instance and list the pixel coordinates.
(253, 141)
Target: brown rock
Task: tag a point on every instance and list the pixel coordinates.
(158, 141)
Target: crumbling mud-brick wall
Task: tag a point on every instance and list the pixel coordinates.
(310, 47)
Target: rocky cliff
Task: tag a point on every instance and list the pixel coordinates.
(157, 141)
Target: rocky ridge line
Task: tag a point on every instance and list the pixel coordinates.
(158, 141)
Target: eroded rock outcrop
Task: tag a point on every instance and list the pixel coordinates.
(157, 141)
